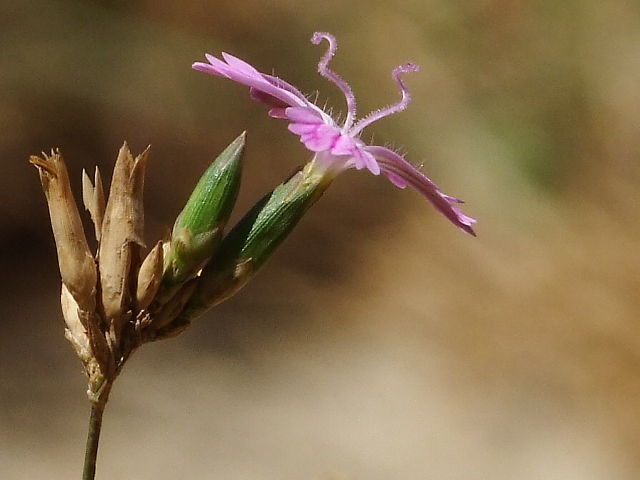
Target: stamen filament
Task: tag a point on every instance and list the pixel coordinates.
(326, 72)
(391, 109)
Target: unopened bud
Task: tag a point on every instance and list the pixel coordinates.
(252, 241)
(198, 229)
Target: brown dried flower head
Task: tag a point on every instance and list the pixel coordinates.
(110, 299)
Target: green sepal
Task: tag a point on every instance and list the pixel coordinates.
(198, 229)
(254, 239)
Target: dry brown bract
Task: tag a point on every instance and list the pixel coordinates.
(108, 299)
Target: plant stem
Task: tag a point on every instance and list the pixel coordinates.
(93, 436)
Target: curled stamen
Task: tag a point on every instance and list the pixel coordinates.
(391, 109)
(326, 72)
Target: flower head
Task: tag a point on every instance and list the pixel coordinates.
(337, 147)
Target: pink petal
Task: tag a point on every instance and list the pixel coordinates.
(216, 64)
(344, 145)
(396, 180)
(210, 69)
(266, 99)
(277, 113)
(241, 72)
(303, 128)
(279, 83)
(240, 65)
(321, 138)
(365, 159)
(303, 115)
(397, 168)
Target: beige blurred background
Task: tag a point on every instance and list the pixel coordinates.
(380, 342)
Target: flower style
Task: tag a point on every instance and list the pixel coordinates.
(337, 147)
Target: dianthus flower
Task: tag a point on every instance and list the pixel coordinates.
(337, 147)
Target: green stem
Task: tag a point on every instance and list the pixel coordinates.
(95, 424)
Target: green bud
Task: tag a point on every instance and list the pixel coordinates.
(252, 241)
(198, 229)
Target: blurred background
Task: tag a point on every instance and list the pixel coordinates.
(380, 342)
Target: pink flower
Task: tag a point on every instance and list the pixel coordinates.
(337, 147)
